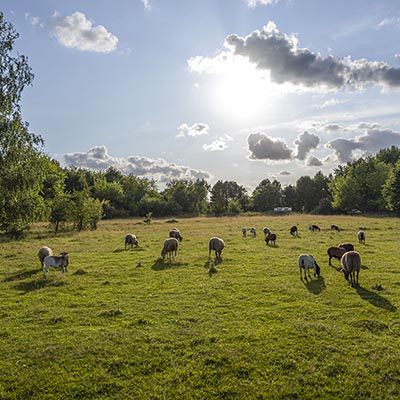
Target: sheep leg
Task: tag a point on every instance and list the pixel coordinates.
(330, 258)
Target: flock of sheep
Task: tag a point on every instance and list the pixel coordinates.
(350, 259)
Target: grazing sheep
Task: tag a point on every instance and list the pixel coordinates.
(60, 261)
(361, 237)
(271, 237)
(306, 262)
(335, 252)
(293, 230)
(175, 233)
(244, 232)
(351, 265)
(266, 231)
(131, 240)
(44, 252)
(217, 245)
(253, 232)
(170, 247)
(335, 228)
(347, 246)
(314, 228)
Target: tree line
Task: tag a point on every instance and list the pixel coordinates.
(34, 187)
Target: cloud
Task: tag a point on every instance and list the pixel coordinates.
(197, 129)
(218, 145)
(313, 162)
(34, 21)
(371, 142)
(388, 22)
(332, 103)
(285, 173)
(279, 54)
(305, 142)
(76, 31)
(263, 147)
(255, 3)
(97, 158)
(146, 5)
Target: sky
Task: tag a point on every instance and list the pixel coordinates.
(239, 90)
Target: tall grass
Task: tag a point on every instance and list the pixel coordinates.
(127, 325)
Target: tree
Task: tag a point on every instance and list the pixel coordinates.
(87, 211)
(389, 155)
(391, 189)
(223, 192)
(21, 174)
(267, 195)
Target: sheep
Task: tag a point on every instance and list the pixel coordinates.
(271, 237)
(170, 247)
(347, 246)
(175, 233)
(244, 232)
(44, 252)
(306, 261)
(293, 230)
(131, 240)
(361, 237)
(217, 245)
(314, 228)
(335, 228)
(60, 261)
(253, 232)
(266, 231)
(351, 265)
(335, 252)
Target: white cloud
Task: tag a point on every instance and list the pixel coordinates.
(97, 158)
(305, 142)
(197, 129)
(388, 22)
(218, 145)
(146, 5)
(279, 55)
(255, 3)
(34, 21)
(76, 31)
(332, 103)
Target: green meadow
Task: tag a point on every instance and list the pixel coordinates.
(124, 324)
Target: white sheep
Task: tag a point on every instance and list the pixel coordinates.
(253, 232)
(217, 245)
(44, 252)
(170, 247)
(175, 233)
(60, 261)
(131, 240)
(351, 265)
(306, 261)
(266, 230)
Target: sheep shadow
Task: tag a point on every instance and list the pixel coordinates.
(38, 284)
(375, 299)
(20, 275)
(161, 265)
(315, 286)
(121, 250)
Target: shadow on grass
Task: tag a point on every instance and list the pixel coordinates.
(161, 265)
(121, 250)
(375, 299)
(20, 275)
(37, 284)
(315, 286)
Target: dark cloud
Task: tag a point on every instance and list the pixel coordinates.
(98, 158)
(371, 142)
(285, 173)
(262, 147)
(305, 142)
(313, 162)
(278, 53)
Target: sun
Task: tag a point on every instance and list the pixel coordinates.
(243, 94)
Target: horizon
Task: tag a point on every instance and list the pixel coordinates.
(234, 91)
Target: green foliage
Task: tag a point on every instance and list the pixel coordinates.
(124, 325)
(62, 210)
(87, 211)
(391, 189)
(223, 192)
(267, 195)
(21, 172)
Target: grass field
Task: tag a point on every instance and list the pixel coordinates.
(110, 329)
